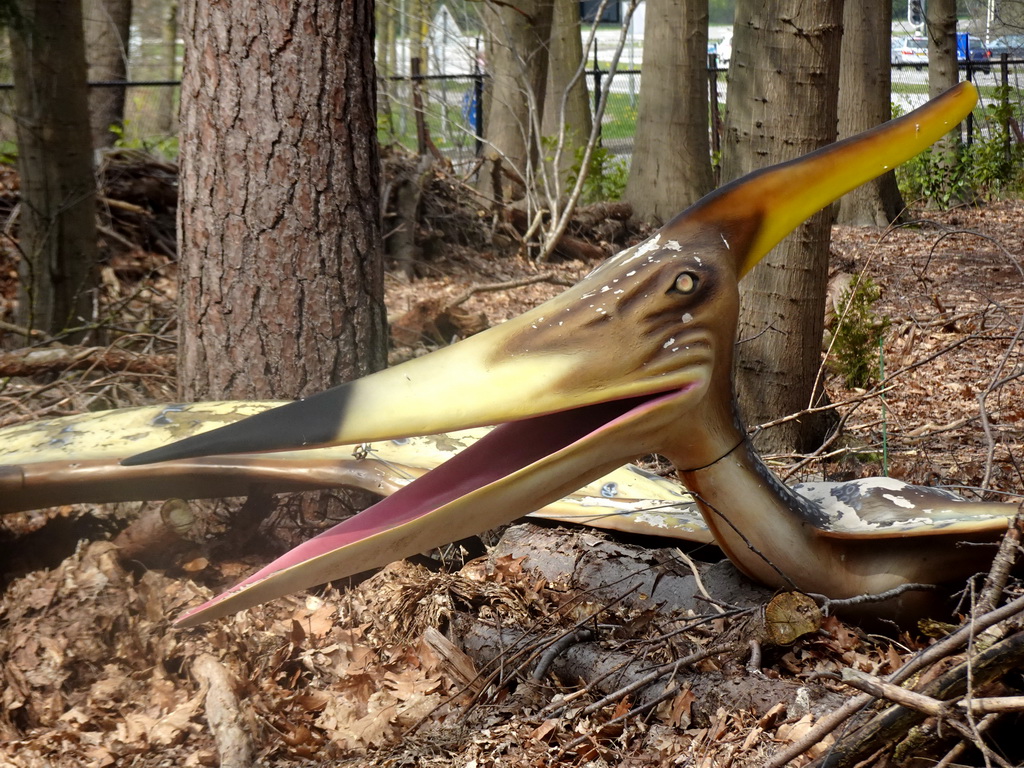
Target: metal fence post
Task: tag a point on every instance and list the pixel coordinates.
(1004, 113)
(478, 116)
(597, 92)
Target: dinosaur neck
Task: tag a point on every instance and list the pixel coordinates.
(758, 521)
(766, 529)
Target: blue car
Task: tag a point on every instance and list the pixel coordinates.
(973, 49)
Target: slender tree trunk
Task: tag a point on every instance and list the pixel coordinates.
(167, 116)
(566, 104)
(281, 270)
(387, 20)
(865, 88)
(419, 30)
(57, 225)
(517, 59)
(107, 24)
(671, 165)
(781, 104)
(940, 22)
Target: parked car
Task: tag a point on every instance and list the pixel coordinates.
(909, 50)
(973, 49)
(1011, 45)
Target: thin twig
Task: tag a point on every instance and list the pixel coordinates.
(544, 277)
(828, 604)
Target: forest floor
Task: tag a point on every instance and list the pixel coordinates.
(92, 674)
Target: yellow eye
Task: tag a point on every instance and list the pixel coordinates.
(686, 283)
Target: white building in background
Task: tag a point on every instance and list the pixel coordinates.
(451, 51)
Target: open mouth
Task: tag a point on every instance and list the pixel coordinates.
(511, 448)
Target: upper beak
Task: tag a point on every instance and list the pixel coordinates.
(581, 384)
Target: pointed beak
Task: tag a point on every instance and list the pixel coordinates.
(770, 203)
(607, 371)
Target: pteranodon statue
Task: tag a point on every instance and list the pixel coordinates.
(78, 458)
(634, 359)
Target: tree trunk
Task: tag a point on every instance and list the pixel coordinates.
(940, 22)
(107, 24)
(281, 271)
(517, 59)
(167, 112)
(671, 165)
(781, 104)
(281, 267)
(57, 226)
(865, 88)
(566, 105)
(387, 38)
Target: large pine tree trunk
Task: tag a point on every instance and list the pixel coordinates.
(865, 88)
(281, 272)
(567, 103)
(671, 165)
(781, 104)
(107, 24)
(517, 60)
(57, 225)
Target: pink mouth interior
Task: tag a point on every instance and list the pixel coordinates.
(507, 449)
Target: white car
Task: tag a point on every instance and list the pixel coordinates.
(909, 50)
(724, 50)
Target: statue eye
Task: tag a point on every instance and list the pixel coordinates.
(686, 283)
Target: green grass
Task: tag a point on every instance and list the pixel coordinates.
(8, 152)
(448, 127)
(619, 117)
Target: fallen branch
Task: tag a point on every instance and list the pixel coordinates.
(931, 655)
(880, 689)
(615, 675)
(892, 724)
(21, 330)
(565, 245)
(1002, 564)
(33, 362)
(543, 277)
(223, 713)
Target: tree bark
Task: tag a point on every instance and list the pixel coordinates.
(167, 112)
(782, 104)
(107, 24)
(940, 23)
(865, 88)
(566, 105)
(517, 58)
(281, 267)
(57, 226)
(387, 56)
(671, 165)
